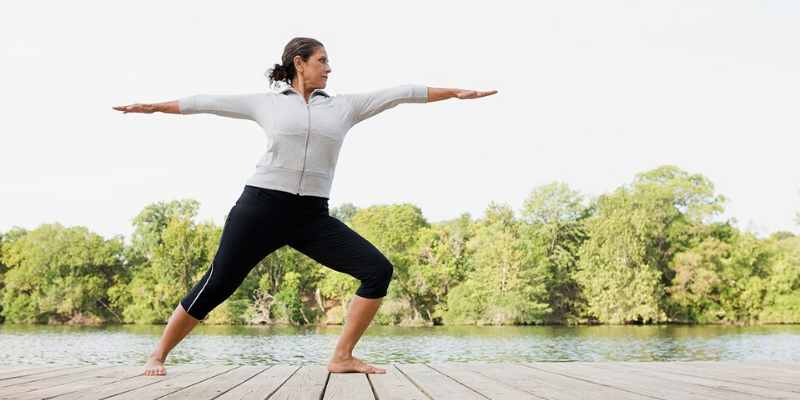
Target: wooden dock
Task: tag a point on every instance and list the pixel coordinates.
(451, 381)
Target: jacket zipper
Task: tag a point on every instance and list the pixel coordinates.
(305, 154)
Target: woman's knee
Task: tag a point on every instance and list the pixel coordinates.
(377, 283)
(385, 270)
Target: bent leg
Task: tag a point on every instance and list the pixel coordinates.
(333, 244)
(359, 316)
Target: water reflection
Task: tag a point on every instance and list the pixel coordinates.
(265, 345)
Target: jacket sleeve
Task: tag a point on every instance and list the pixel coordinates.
(242, 106)
(366, 105)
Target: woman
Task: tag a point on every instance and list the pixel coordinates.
(286, 201)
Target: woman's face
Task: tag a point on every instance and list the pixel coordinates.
(315, 71)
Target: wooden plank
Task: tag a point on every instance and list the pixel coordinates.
(262, 385)
(769, 366)
(43, 373)
(436, 385)
(34, 369)
(554, 386)
(782, 365)
(739, 375)
(636, 383)
(15, 367)
(217, 385)
(136, 381)
(84, 382)
(12, 369)
(651, 370)
(308, 383)
(350, 386)
(167, 386)
(486, 386)
(460, 381)
(790, 374)
(393, 385)
(42, 380)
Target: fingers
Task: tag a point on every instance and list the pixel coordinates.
(125, 109)
(135, 108)
(474, 94)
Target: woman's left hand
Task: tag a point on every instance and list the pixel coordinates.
(437, 94)
(473, 94)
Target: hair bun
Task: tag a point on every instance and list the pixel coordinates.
(277, 73)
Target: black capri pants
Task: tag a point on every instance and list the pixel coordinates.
(263, 221)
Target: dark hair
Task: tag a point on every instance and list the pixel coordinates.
(299, 46)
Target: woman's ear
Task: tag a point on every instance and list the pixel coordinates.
(298, 63)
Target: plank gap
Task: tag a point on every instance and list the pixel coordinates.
(243, 382)
(462, 384)
(325, 386)
(507, 384)
(421, 389)
(372, 387)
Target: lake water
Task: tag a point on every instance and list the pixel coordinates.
(264, 345)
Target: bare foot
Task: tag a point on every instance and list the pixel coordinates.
(352, 364)
(154, 366)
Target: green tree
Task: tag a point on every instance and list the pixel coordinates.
(5, 240)
(171, 253)
(288, 308)
(744, 276)
(58, 274)
(782, 295)
(151, 223)
(780, 235)
(626, 263)
(391, 228)
(394, 229)
(619, 284)
(695, 291)
(440, 264)
(265, 295)
(503, 285)
(336, 285)
(555, 217)
(3, 268)
(344, 212)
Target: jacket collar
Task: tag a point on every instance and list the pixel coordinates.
(288, 89)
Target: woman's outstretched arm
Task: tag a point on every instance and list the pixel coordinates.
(169, 107)
(437, 94)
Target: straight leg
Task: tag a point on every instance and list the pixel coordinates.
(252, 231)
(179, 325)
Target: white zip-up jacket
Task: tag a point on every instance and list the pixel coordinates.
(303, 140)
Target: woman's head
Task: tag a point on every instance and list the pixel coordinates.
(298, 50)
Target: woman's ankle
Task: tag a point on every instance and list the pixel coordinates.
(342, 355)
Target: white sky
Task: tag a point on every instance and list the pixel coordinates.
(590, 93)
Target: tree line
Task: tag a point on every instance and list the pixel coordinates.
(649, 252)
